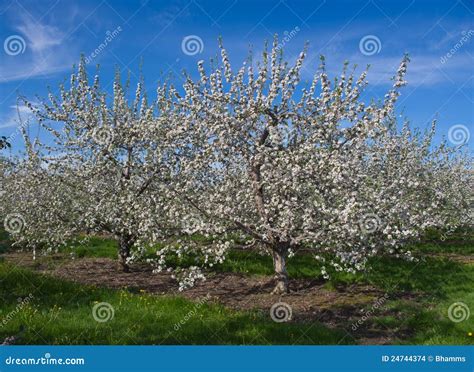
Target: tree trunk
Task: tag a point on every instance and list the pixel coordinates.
(125, 245)
(281, 276)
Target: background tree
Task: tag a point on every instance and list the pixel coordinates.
(105, 159)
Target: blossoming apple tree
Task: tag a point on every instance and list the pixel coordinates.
(295, 166)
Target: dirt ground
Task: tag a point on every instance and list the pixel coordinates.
(310, 300)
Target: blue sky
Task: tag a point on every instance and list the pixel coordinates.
(42, 40)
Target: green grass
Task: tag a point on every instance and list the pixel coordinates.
(438, 283)
(460, 241)
(60, 312)
(95, 247)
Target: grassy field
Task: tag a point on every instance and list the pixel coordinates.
(418, 295)
(60, 313)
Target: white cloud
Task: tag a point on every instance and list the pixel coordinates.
(40, 37)
(46, 52)
(16, 117)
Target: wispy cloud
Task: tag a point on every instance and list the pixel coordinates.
(41, 37)
(16, 116)
(45, 51)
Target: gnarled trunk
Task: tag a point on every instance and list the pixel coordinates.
(281, 275)
(125, 246)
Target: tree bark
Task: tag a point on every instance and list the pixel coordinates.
(281, 275)
(125, 246)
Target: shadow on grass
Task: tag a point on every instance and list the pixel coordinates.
(435, 276)
(460, 241)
